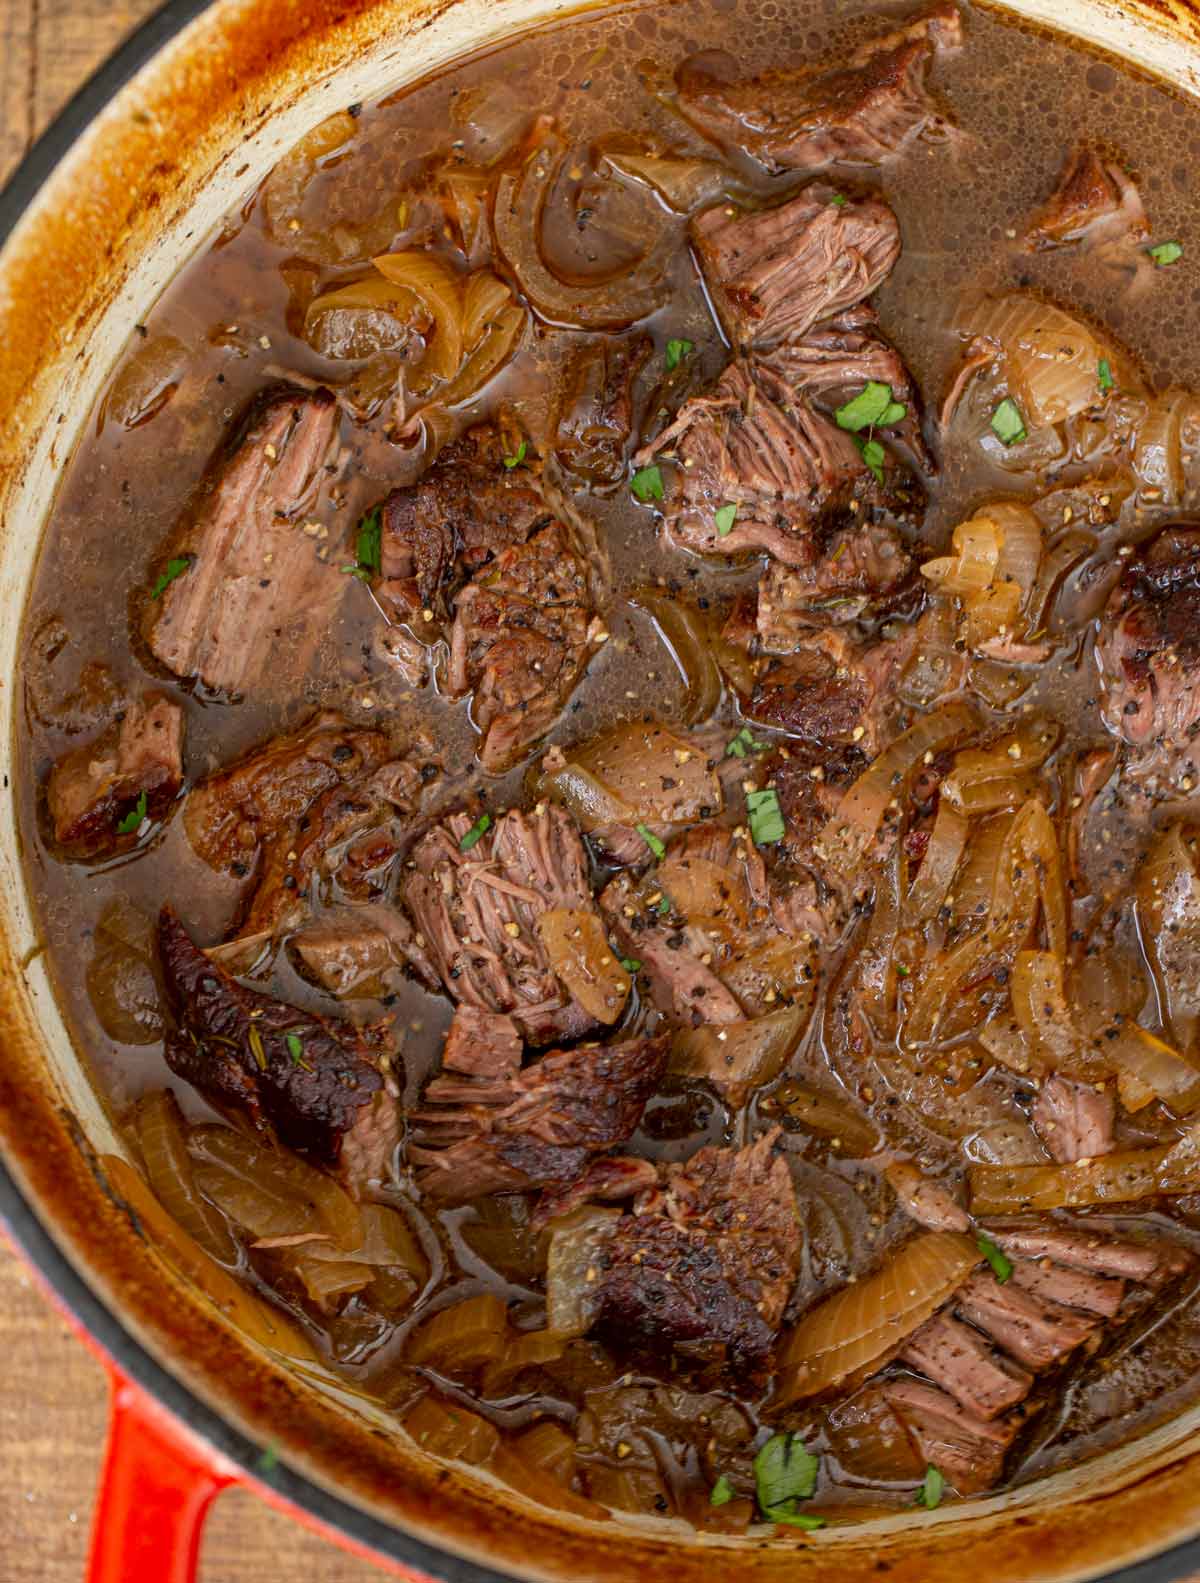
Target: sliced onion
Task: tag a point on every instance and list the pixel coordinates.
(162, 1137)
(452, 1432)
(541, 1487)
(947, 843)
(637, 774)
(285, 188)
(1050, 357)
(684, 184)
(1117, 1178)
(739, 1057)
(576, 1242)
(1158, 453)
(282, 1176)
(1066, 551)
(387, 1240)
(582, 958)
(495, 347)
(327, 1280)
(936, 666)
(1168, 906)
(1040, 1007)
(463, 1336)
(528, 1351)
(849, 832)
(981, 778)
(438, 288)
(1148, 1069)
(266, 1214)
(682, 629)
(855, 1331)
(837, 1119)
(366, 317)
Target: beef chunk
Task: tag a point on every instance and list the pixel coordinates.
(1055, 1283)
(360, 951)
(751, 443)
(609, 1179)
(255, 591)
(702, 1271)
(1148, 651)
(1074, 1120)
(956, 1357)
(477, 913)
(1035, 1331)
(803, 119)
(834, 690)
(925, 1200)
(596, 418)
(506, 1129)
(523, 634)
(1094, 199)
(1095, 1249)
(967, 1449)
(321, 1084)
(466, 509)
(858, 569)
(482, 1044)
(773, 273)
(93, 789)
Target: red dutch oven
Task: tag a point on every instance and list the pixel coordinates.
(129, 182)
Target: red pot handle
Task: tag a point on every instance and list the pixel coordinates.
(156, 1486)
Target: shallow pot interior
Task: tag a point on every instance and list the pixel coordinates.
(141, 191)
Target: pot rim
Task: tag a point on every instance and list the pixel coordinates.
(18, 1218)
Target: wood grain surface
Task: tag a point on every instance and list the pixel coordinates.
(53, 1397)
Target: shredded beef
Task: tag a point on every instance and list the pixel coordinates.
(857, 113)
(596, 418)
(702, 1271)
(853, 574)
(835, 690)
(254, 584)
(335, 1099)
(94, 788)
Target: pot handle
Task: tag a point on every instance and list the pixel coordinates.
(156, 1486)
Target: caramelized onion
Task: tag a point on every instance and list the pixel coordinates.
(682, 628)
(1148, 1069)
(983, 779)
(947, 843)
(367, 317)
(851, 1333)
(576, 1241)
(528, 1351)
(992, 571)
(439, 290)
(281, 1177)
(684, 184)
(834, 1118)
(582, 958)
(285, 189)
(463, 1336)
(162, 1137)
(1117, 1178)
(1040, 1007)
(452, 1432)
(1050, 357)
(637, 774)
(739, 1057)
(1168, 906)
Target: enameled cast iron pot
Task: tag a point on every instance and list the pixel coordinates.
(132, 179)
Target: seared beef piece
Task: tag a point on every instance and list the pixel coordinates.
(955, 1356)
(462, 512)
(702, 1271)
(1094, 1294)
(834, 690)
(360, 950)
(1033, 1330)
(509, 1130)
(596, 417)
(1096, 1250)
(1148, 651)
(93, 788)
(855, 568)
(482, 1044)
(1094, 199)
(786, 467)
(1074, 1120)
(805, 118)
(255, 594)
(523, 634)
(834, 360)
(335, 1099)
(608, 1180)
(969, 1451)
(773, 273)
(476, 914)
(924, 1200)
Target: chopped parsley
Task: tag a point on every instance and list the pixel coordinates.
(647, 484)
(268, 1460)
(1166, 253)
(652, 841)
(725, 517)
(368, 547)
(722, 1491)
(295, 1047)
(479, 829)
(676, 352)
(133, 819)
(1001, 1266)
(785, 1474)
(873, 455)
(175, 568)
(839, 200)
(1104, 374)
(737, 747)
(930, 1493)
(766, 819)
(1007, 423)
(664, 905)
(515, 461)
(872, 408)
(631, 964)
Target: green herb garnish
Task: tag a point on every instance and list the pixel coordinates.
(133, 819)
(175, 568)
(631, 964)
(780, 1514)
(1104, 374)
(737, 747)
(267, 1460)
(873, 455)
(664, 905)
(1001, 1266)
(839, 200)
(895, 413)
(480, 828)
(647, 484)
(295, 1047)
(368, 547)
(725, 517)
(785, 1474)
(722, 1491)
(866, 410)
(652, 841)
(1166, 253)
(930, 1493)
(515, 461)
(766, 818)
(676, 352)
(1007, 423)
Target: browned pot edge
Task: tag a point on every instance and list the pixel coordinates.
(134, 175)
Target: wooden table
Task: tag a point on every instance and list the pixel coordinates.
(53, 1397)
